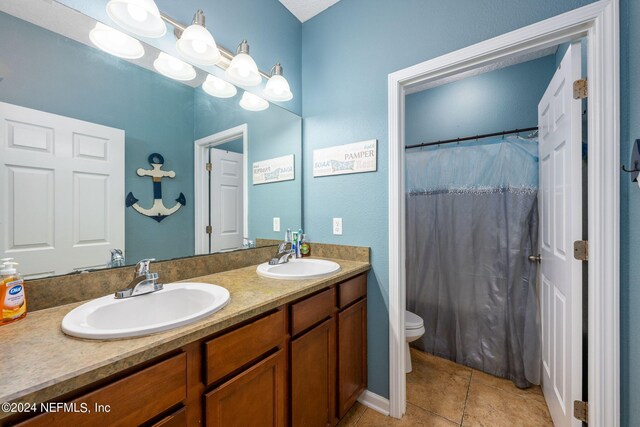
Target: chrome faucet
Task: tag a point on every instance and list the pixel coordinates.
(283, 254)
(143, 282)
(117, 258)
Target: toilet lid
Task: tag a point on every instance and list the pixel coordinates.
(412, 321)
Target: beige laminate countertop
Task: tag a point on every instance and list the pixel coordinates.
(39, 363)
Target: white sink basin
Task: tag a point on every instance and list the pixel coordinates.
(296, 269)
(176, 305)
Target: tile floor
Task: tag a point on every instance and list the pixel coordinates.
(443, 393)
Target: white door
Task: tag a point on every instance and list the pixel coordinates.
(560, 198)
(226, 201)
(61, 191)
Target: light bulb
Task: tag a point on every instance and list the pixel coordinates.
(115, 42)
(140, 17)
(196, 44)
(174, 68)
(277, 88)
(217, 87)
(199, 46)
(243, 70)
(253, 102)
(138, 13)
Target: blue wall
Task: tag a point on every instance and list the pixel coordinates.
(347, 53)
(491, 102)
(64, 77)
(274, 34)
(630, 207)
(272, 133)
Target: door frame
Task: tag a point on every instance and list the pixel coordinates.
(599, 22)
(201, 177)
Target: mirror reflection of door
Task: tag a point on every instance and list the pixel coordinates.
(226, 197)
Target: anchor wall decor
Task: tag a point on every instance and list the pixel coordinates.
(158, 211)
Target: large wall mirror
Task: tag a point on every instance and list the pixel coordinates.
(99, 153)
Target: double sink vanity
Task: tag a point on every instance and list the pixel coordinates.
(253, 346)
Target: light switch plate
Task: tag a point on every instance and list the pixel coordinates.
(337, 226)
(276, 223)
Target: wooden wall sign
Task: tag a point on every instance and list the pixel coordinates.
(344, 159)
(274, 170)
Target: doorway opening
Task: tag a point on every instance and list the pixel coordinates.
(221, 191)
(597, 23)
(480, 218)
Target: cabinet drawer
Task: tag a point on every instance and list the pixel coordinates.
(255, 398)
(352, 289)
(312, 310)
(235, 349)
(131, 400)
(176, 419)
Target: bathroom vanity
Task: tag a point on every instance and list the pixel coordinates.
(281, 353)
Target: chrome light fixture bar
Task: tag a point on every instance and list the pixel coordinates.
(226, 54)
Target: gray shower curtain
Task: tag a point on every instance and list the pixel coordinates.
(471, 225)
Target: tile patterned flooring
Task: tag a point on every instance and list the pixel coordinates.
(443, 393)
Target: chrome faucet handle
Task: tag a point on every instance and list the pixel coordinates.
(282, 246)
(142, 267)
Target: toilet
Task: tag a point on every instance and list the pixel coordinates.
(413, 329)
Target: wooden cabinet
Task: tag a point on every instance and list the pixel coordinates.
(328, 361)
(313, 364)
(352, 355)
(254, 398)
(235, 349)
(127, 402)
(300, 365)
(176, 419)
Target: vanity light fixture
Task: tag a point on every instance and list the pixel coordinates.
(140, 17)
(277, 88)
(196, 43)
(217, 87)
(174, 68)
(243, 69)
(253, 102)
(115, 42)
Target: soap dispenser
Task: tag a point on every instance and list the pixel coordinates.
(12, 299)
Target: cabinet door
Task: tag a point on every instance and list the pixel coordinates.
(352, 355)
(255, 398)
(313, 362)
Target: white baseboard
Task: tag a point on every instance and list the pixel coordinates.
(375, 402)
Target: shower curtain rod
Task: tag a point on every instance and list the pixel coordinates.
(469, 138)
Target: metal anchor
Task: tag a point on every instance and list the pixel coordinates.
(158, 211)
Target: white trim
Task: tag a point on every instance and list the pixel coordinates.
(200, 180)
(375, 402)
(599, 22)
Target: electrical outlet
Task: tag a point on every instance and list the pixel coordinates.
(337, 226)
(276, 224)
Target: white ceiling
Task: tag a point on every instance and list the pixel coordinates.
(307, 9)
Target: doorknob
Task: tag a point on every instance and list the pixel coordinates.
(535, 258)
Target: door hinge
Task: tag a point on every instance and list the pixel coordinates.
(208, 229)
(580, 89)
(581, 410)
(209, 166)
(581, 250)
